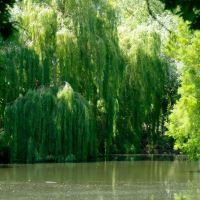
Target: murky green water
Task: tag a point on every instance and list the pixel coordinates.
(114, 180)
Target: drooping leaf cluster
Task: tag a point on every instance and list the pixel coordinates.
(125, 82)
(68, 41)
(149, 83)
(145, 95)
(50, 125)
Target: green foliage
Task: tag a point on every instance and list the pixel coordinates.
(125, 82)
(134, 13)
(149, 83)
(144, 95)
(65, 41)
(20, 72)
(4, 147)
(46, 125)
(6, 27)
(183, 122)
(189, 10)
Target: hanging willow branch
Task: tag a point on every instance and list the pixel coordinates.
(154, 17)
(46, 125)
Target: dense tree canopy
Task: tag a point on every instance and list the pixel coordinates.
(189, 10)
(50, 125)
(93, 77)
(183, 122)
(73, 42)
(6, 26)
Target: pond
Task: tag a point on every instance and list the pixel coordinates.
(105, 180)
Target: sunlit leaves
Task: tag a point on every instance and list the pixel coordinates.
(109, 52)
(183, 122)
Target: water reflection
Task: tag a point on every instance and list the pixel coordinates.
(116, 180)
(186, 197)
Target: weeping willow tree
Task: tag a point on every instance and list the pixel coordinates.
(143, 95)
(122, 82)
(19, 73)
(99, 61)
(73, 41)
(149, 82)
(50, 125)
